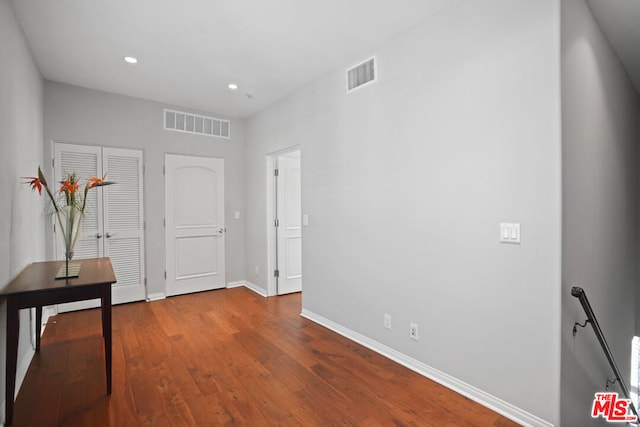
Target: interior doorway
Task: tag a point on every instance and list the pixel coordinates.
(285, 222)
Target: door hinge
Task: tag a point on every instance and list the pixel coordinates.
(164, 168)
(144, 225)
(165, 274)
(276, 273)
(143, 169)
(276, 223)
(53, 163)
(145, 281)
(276, 172)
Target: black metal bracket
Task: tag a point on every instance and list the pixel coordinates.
(575, 326)
(609, 382)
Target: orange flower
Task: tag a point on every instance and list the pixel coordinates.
(70, 186)
(34, 183)
(97, 182)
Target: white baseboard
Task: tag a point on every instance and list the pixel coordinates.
(156, 297)
(255, 288)
(483, 398)
(237, 284)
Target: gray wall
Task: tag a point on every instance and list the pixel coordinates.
(83, 116)
(600, 209)
(405, 184)
(21, 212)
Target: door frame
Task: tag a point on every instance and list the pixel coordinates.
(272, 243)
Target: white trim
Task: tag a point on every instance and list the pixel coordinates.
(237, 284)
(272, 164)
(252, 287)
(483, 398)
(156, 296)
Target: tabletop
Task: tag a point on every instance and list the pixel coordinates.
(40, 276)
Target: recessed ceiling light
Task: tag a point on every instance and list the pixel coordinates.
(131, 59)
(233, 86)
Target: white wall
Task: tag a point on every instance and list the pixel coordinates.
(405, 184)
(83, 116)
(600, 209)
(21, 212)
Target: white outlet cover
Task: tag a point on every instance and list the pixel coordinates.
(413, 331)
(387, 321)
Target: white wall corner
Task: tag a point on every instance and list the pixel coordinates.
(251, 286)
(485, 399)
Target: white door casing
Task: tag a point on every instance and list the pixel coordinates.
(194, 224)
(289, 219)
(113, 225)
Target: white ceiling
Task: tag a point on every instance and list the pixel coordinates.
(190, 50)
(620, 21)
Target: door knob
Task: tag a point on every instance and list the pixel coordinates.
(108, 235)
(98, 236)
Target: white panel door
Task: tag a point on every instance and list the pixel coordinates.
(194, 224)
(113, 225)
(289, 228)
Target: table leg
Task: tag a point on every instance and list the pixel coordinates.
(38, 326)
(106, 331)
(13, 330)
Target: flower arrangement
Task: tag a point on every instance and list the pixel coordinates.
(70, 204)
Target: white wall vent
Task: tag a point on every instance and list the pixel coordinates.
(362, 74)
(193, 123)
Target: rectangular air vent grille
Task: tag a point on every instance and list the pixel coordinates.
(193, 123)
(362, 74)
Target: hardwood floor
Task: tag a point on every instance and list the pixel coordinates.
(227, 357)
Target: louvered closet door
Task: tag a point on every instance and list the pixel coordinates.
(113, 225)
(123, 222)
(85, 162)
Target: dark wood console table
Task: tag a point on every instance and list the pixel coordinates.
(36, 287)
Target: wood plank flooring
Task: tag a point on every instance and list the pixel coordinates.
(226, 358)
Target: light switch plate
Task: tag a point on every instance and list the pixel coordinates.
(510, 232)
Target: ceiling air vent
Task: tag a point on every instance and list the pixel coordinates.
(362, 74)
(193, 123)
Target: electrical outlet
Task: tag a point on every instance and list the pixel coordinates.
(413, 331)
(387, 321)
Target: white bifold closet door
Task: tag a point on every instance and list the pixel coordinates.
(114, 218)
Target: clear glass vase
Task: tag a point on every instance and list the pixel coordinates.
(70, 223)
